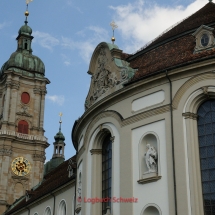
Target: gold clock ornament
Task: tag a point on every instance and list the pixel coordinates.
(20, 166)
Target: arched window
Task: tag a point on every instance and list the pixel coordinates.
(47, 211)
(106, 171)
(206, 136)
(23, 127)
(62, 208)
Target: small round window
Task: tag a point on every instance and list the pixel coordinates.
(205, 40)
(25, 97)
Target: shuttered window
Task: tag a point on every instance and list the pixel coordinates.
(23, 127)
(25, 97)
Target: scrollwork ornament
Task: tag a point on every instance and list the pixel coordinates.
(5, 152)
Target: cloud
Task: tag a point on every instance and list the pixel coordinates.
(66, 60)
(45, 40)
(71, 4)
(141, 22)
(56, 99)
(91, 37)
(4, 24)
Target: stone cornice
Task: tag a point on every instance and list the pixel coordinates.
(39, 157)
(127, 121)
(96, 151)
(189, 115)
(23, 136)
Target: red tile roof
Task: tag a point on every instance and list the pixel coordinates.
(53, 180)
(175, 47)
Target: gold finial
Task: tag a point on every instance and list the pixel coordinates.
(114, 26)
(60, 115)
(26, 12)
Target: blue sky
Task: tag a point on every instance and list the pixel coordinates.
(65, 34)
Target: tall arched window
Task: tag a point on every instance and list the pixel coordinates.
(23, 127)
(48, 211)
(206, 135)
(62, 208)
(106, 171)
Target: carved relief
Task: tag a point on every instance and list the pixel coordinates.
(103, 79)
(108, 75)
(23, 111)
(5, 152)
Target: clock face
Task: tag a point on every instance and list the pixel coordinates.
(20, 166)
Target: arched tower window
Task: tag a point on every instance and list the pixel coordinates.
(23, 127)
(206, 136)
(106, 171)
(47, 211)
(62, 208)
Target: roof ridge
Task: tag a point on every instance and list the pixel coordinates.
(170, 30)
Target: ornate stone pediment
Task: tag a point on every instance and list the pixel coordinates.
(109, 72)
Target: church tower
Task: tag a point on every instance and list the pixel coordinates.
(22, 99)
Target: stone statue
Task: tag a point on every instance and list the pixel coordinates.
(151, 158)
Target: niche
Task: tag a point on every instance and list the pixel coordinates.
(149, 158)
(151, 210)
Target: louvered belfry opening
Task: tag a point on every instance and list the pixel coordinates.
(23, 127)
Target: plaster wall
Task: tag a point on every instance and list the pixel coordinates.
(64, 194)
(154, 192)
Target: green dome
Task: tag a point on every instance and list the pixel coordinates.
(22, 58)
(25, 29)
(59, 137)
(24, 61)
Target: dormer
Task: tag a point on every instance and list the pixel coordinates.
(204, 38)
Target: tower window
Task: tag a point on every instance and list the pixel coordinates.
(204, 40)
(106, 172)
(23, 127)
(25, 98)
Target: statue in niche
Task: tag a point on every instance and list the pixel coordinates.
(151, 158)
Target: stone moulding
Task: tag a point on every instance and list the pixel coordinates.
(122, 122)
(38, 157)
(96, 151)
(23, 136)
(148, 180)
(189, 83)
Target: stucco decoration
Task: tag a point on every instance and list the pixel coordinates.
(109, 72)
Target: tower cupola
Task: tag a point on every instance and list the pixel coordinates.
(59, 143)
(22, 59)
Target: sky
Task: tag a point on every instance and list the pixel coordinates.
(66, 32)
